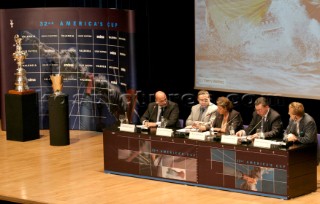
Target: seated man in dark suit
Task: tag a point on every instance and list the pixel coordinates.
(266, 119)
(301, 128)
(161, 107)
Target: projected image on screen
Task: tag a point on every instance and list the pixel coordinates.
(258, 46)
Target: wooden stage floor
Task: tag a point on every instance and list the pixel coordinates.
(35, 172)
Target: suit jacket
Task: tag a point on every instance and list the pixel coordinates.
(195, 112)
(171, 113)
(272, 127)
(234, 119)
(307, 129)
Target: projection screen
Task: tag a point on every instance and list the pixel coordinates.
(269, 47)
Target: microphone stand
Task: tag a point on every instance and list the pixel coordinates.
(244, 139)
(232, 119)
(255, 126)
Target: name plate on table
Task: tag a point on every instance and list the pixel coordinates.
(128, 127)
(230, 139)
(268, 143)
(262, 143)
(198, 135)
(164, 132)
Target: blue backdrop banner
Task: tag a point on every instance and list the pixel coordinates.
(92, 48)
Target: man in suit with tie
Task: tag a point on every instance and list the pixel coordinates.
(302, 127)
(161, 107)
(202, 113)
(264, 118)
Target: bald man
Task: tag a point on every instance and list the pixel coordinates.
(161, 106)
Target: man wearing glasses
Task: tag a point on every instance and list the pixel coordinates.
(202, 113)
(161, 107)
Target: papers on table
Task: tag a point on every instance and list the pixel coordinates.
(142, 127)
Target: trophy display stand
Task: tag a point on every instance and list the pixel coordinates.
(59, 120)
(21, 104)
(22, 115)
(58, 113)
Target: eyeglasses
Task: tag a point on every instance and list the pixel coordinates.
(204, 100)
(258, 110)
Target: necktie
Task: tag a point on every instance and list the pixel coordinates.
(161, 114)
(200, 115)
(262, 123)
(298, 129)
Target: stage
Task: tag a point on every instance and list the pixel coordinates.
(35, 172)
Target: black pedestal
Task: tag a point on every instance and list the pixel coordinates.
(22, 116)
(59, 120)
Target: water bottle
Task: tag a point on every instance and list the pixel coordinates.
(162, 125)
(231, 130)
(126, 120)
(211, 131)
(211, 122)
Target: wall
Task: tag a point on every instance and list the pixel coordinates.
(165, 41)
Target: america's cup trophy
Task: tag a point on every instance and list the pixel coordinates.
(21, 82)
(57, 84)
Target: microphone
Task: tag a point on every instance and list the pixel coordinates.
(231, 128)
(209, 114)
(211, 119)
(232, 119)
(255, 126)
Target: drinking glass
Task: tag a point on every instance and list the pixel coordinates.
(231, 130)
(122, 118)
(260, 134)
(163, 122)
(211, 124)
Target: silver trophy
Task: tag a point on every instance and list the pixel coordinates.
(21, 83)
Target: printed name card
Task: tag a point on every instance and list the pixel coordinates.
(262, 143)
(197, 136)
(164, 132)
(127, 127)
(230, 139)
